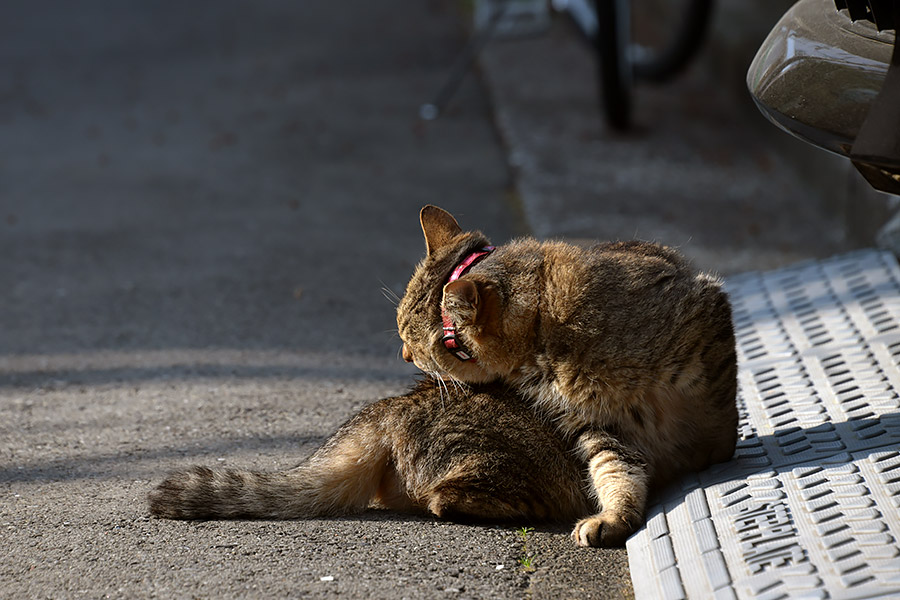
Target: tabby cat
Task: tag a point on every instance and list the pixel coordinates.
(465, 454)
(623, 346)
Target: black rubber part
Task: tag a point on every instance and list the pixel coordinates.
(615, 77)
(665, 64)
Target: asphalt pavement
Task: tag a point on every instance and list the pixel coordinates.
(200, 204)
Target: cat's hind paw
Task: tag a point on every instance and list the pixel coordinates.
(602, 531)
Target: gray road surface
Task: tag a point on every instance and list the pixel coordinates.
(199, 205)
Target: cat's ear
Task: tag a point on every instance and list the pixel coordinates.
(461, 300)
(471, 302)
(439, 227)
(463, 291)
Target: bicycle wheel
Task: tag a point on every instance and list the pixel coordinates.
(615, 72)
(659, 65)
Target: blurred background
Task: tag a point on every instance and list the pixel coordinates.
(224, 173)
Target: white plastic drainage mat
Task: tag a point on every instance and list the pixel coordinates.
(810, 506)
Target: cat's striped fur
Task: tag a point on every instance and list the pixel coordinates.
(457, 453)
(623, 346)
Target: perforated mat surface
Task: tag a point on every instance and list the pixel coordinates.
(810, 505)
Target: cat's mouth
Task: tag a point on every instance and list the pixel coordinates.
(449, 369)
(430, 369)
(433, 371)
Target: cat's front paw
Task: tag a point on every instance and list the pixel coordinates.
(602, 531)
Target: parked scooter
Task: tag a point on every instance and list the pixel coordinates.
(829, 74)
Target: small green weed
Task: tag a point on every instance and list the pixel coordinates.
(527, 559)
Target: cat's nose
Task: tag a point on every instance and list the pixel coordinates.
(407, 355)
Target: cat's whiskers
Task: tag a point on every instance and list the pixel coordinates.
(442, 387)
(389, 294)
(460, 385)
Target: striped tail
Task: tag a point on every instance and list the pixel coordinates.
(343, 477)
(203, 493)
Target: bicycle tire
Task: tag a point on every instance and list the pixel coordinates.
(663, 65)
(615, 72)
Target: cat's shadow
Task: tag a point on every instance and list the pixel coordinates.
(378, 515)
(785, 449)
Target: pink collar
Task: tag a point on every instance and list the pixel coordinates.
(452, 343)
